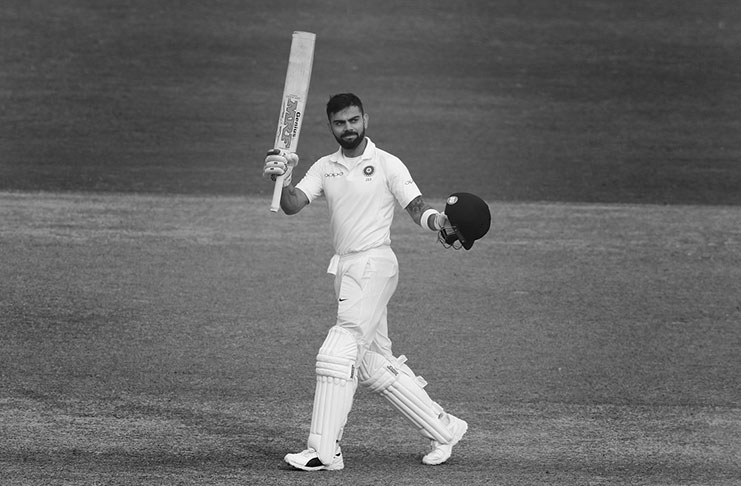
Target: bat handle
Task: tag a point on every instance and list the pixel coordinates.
(277, 191)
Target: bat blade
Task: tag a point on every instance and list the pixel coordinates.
(295, 92)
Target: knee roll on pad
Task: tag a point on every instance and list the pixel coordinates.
(396, 382)
(336, 380)
(337, 356)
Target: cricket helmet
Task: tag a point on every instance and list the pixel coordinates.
(469, 217)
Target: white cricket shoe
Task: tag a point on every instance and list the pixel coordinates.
(441, 452)
(308, 460)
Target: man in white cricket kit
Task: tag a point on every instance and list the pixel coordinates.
(362, 185)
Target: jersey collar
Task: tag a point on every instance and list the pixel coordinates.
(368, 153)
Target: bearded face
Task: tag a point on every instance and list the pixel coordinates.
(350, 139)
(348, 127)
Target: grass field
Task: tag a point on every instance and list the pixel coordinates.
(158, 325)
(158, 340)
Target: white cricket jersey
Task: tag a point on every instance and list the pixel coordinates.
(361, 194)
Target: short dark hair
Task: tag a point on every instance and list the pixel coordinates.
(341, 101)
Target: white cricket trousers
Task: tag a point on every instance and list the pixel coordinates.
(364, 283)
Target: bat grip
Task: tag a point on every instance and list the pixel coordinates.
(277, 191)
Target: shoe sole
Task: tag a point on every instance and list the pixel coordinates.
(303, 467)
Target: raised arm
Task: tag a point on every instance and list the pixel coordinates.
(279, 163)
(292, 199)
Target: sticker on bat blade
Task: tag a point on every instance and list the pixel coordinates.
(291, 118)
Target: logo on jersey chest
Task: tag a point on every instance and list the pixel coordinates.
(368, 172)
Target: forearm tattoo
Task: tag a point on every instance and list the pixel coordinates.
(416, 208)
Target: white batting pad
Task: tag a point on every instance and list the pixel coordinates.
(396, 382)
(336, 381)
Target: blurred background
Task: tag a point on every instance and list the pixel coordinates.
(594, 101)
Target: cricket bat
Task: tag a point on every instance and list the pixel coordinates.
(295, 92)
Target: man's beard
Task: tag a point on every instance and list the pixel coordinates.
(351, 144)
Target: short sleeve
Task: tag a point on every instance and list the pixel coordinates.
(401, 184)
(311, 183)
